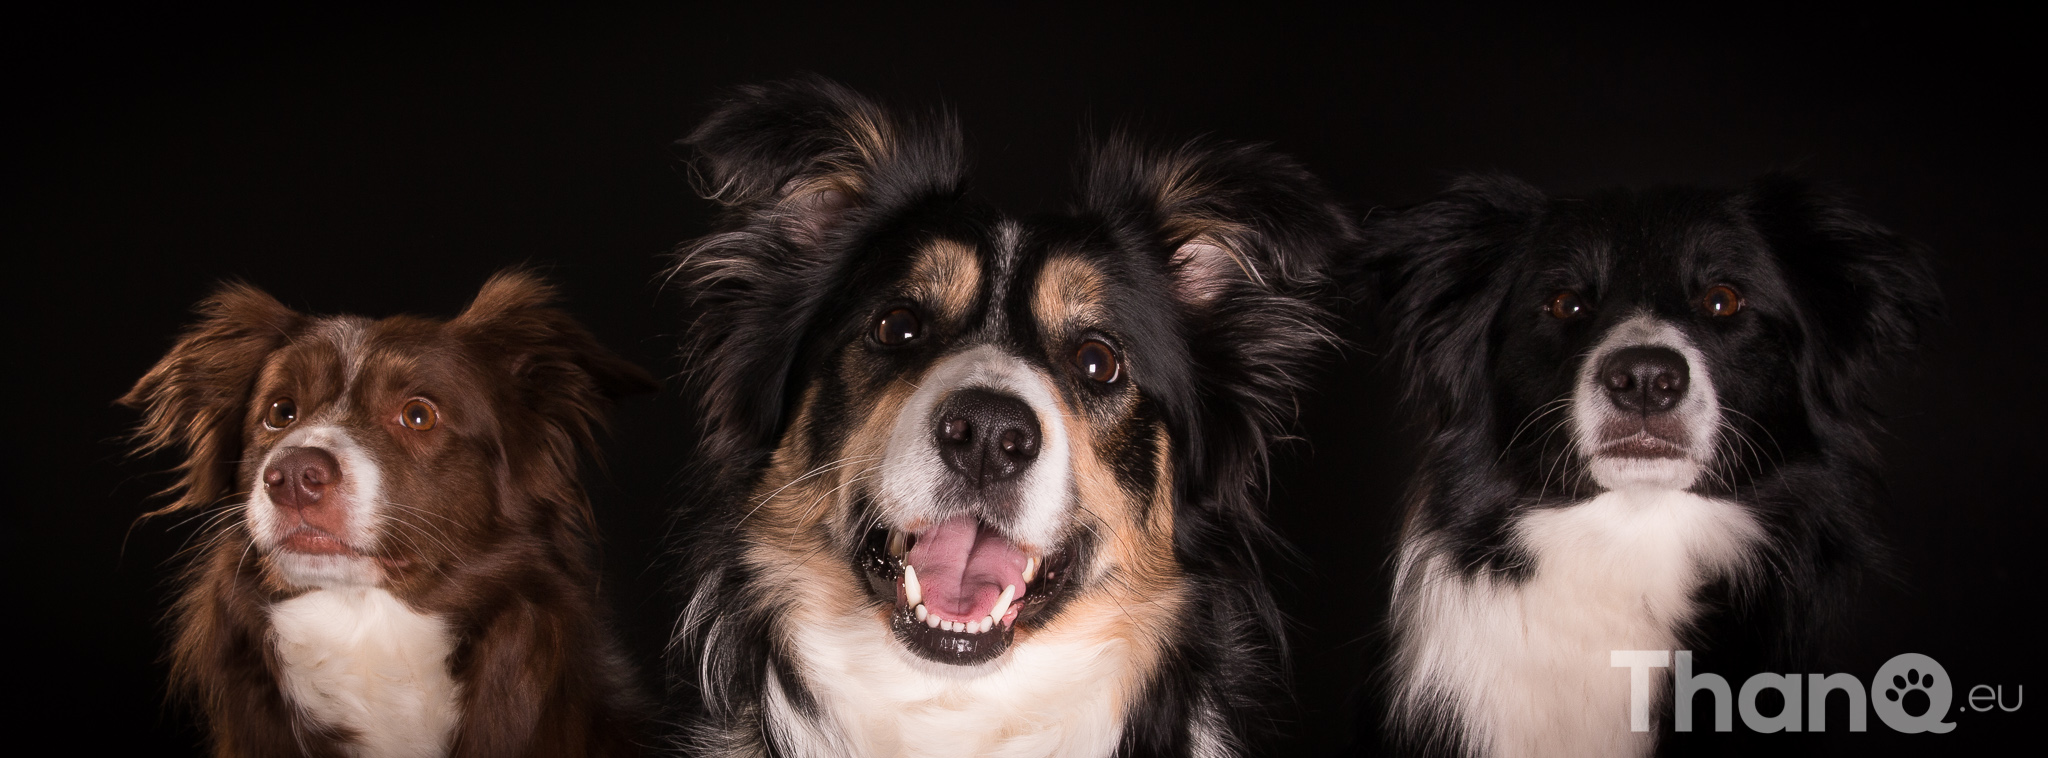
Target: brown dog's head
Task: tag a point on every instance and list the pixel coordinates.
(382, 452)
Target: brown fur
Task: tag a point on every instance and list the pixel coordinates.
(490, 532)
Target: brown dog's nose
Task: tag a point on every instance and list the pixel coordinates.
(1645, 379)
(298, 478)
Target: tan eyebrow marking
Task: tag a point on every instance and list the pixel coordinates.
(946, 277)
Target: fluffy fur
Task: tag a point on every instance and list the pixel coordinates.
(428, 588)
(1144, 626)
(1556, 517)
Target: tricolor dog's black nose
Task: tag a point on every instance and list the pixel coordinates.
(1644, 379)
(986, 437)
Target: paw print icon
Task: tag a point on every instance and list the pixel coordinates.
(1915, 694)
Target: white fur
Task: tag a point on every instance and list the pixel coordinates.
(358, 658)
(1528, 665)
(1699, 411)
(1050, 696)
(913, 472)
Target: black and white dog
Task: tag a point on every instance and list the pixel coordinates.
(1648, 429)
(984, 485)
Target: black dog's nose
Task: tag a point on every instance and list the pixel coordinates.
(986, 437)
(1644, 379)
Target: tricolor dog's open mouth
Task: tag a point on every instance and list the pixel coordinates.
(960, 588)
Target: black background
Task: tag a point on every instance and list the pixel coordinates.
(386, 162)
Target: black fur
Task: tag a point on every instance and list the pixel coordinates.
(813, 220)
(1832, 302)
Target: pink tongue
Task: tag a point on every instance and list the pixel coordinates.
(962, 567)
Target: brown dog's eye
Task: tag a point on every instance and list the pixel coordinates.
(1722, 300)
(418, 415)
(281, 414)
(1567, 304)
(898, 327)
(1096, 361)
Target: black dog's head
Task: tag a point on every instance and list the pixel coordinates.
(944, 431)
(1675, 338)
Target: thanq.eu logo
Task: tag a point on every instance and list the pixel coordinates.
(1911, 694)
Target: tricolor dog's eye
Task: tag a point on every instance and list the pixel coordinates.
(1567, 304)
(418, 414)
(1722, 300)
(1097, 362)
(281, 414)
(898, 327)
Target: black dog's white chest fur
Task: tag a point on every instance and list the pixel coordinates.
(1523, 662)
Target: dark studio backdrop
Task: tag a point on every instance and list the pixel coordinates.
(386, 162)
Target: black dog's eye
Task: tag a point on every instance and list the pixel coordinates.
(1722, 300)
(1567, 304)
(281, 414)
(1096, 361)
(898, 327)
(418, 415)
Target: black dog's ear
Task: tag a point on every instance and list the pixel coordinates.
(1867, 293)
(197, 397)
(1242, 237)
(1433, 271)
(799, 168)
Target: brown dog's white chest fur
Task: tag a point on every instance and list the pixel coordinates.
(359, 659)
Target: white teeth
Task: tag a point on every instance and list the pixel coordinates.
(911, 591)
(899, 543)
(956, 626)
(1003, 602)
(921, 612)
(932, 620)
(987, 623)
(1030, 568)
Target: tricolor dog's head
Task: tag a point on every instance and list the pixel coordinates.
(966, 428)
(360, 452)
(1677, 338)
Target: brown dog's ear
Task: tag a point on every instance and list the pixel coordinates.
(196, 397)
(515, 312)
(559, 371)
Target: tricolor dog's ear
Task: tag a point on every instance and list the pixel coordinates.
(801, 170)
(1867, 293)
(1434, 272)
(801, 157)
(1242, 237)
(196, 398)
(1232, 219)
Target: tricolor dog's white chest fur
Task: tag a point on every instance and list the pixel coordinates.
(1062, 696)
(359, 659)
(1527, 665)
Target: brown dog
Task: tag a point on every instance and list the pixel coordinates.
(398, 562)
